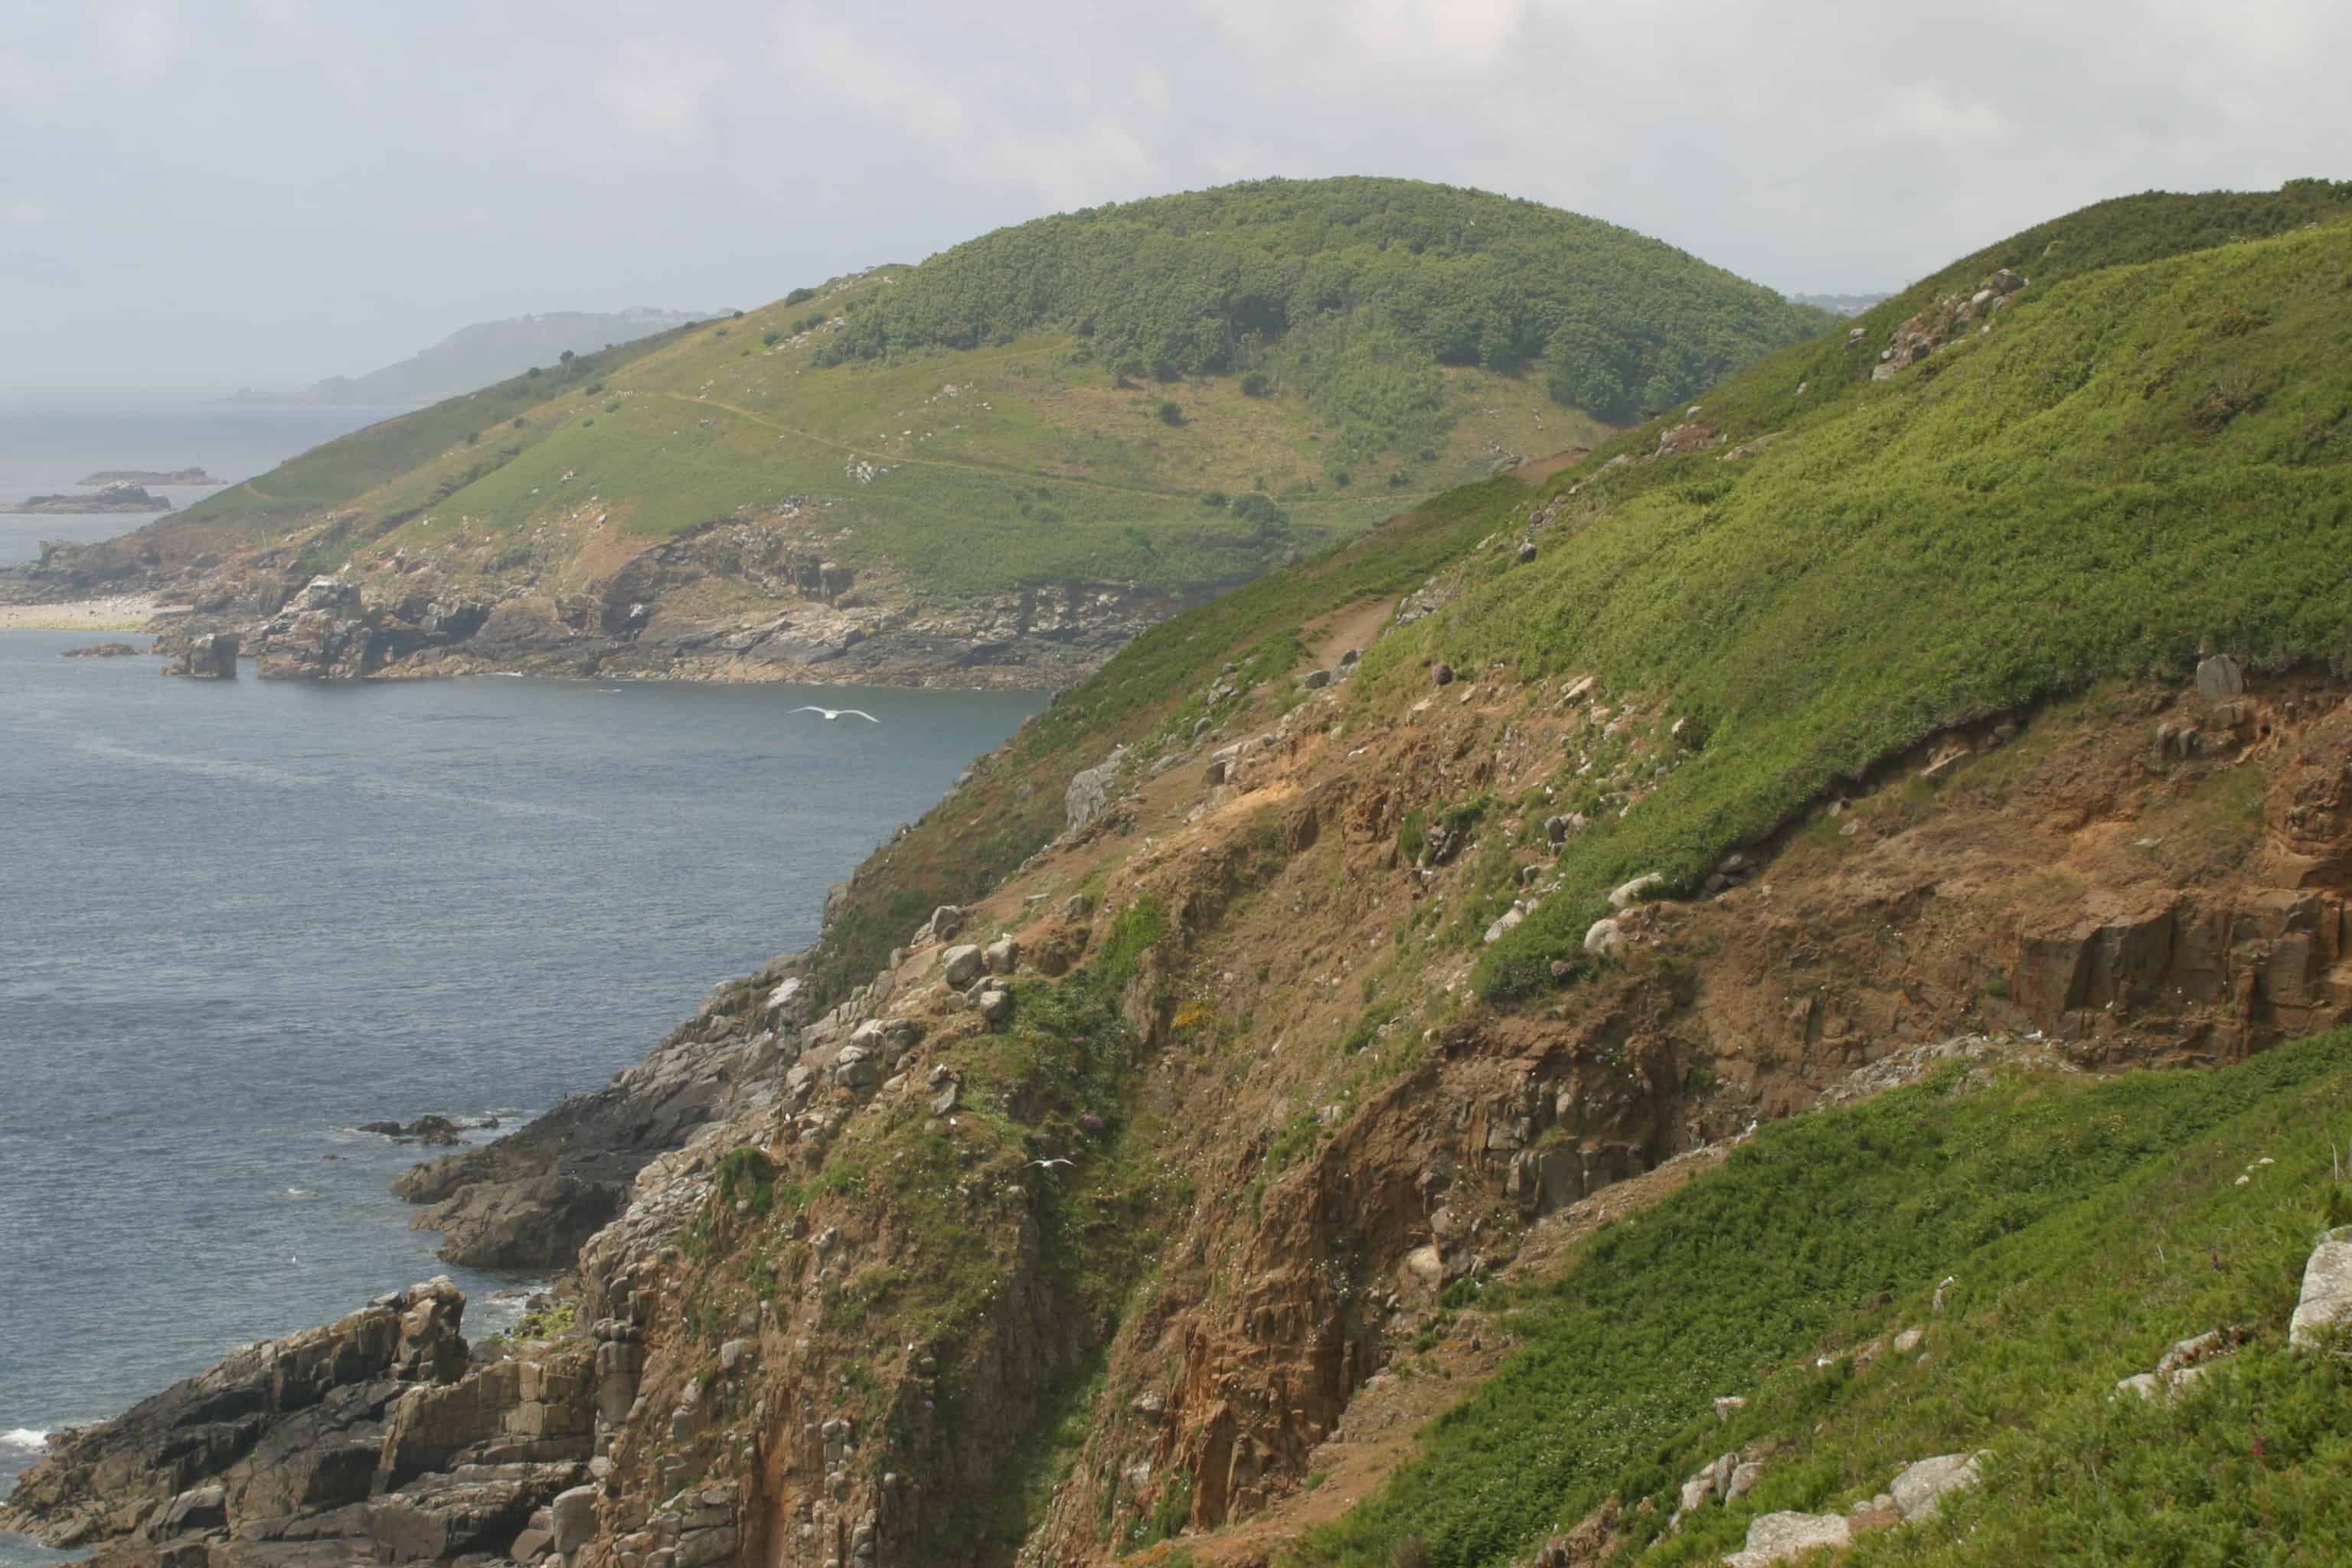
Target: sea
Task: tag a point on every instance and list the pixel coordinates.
(240, 918)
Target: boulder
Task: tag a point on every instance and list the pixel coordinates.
(2327, 1298)
(855, 1068)
(1505, 924)
(1921, 1488)
(2219, 676)
(1426, 1266)
(1088, 796)
(1623, 895)
(1003, 956)
(1778, 1537)
(961, 965)
(212, 656)
(1441, 674)
(946, 921)
(1315, 680)
(1603, 936)
(996, 1007)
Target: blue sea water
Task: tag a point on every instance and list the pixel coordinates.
(50, 439)
(238, 918)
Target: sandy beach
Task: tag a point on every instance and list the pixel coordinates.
(120, 613)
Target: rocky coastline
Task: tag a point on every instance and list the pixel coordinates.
(688, 612)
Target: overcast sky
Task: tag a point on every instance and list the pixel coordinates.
(225, 192)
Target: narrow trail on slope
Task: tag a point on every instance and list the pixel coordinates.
(996, 470)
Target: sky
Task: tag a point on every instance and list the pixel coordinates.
(223, 193)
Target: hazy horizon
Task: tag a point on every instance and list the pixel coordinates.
(210, 194)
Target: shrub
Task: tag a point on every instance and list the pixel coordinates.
(800, 296)
(1213, 500)
(772, 338)
(1171, 413)
(1264, 515)
(1257, 383)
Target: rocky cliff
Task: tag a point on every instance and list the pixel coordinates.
(1123, 1170)
(830, 1264)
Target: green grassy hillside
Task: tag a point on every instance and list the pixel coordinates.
(1046, 404)
(2148, 454)
(2134, 461)
(2086, 1226)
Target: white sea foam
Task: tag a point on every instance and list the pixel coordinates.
(24, 1438)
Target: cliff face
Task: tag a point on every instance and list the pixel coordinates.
(1093, 1215)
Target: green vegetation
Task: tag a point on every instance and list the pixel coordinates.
(2087, 1226)
(1352, 343)
(2054, 505)
(1357, 287)
(350, 465)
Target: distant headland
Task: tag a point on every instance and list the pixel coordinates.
(150, 477)
(111, 497)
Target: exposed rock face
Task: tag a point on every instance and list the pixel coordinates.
(292, 1439)
(1941, 322)
(101, 650)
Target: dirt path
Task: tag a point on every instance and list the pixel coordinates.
(1349, 627)
(1542, 468)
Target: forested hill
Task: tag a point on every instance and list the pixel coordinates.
(1324, 280)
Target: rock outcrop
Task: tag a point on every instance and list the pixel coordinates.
(210, 656)
(378, 1435)
(529, 1200)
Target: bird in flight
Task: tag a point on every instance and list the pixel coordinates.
(1049, 1165)
(831, 713)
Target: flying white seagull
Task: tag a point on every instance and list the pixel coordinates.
(831, 713)
(1050, 1164)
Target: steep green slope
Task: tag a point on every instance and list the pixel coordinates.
(350, 465)
(2132, 463)
(2087, 1226)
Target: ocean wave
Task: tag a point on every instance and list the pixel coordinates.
(24, 1438)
